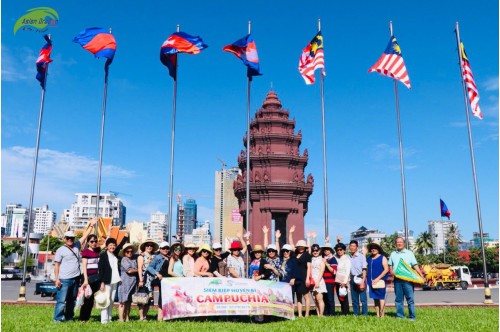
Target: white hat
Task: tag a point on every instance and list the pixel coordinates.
(69, 234)
(217, 245)
(358, 280)
(164, 244)
(101, 300)
(287, 247)
(271, 247)
(301, 243)
(342, 291)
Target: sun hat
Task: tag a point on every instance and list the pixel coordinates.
(342, 291)
(301, 243)
(164, 244)
(327, 245)
(286, 247)
(127, 246)
(205, 247)
(258, 248)
(101, 300)
(271, 247)
(69, 234)
(216, 245)
(191, 245)
(235, 245)
(143, 244)
(340, 245)
(375, 246)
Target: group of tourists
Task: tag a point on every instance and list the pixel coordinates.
(318, 272)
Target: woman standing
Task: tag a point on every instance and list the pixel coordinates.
(302, 277)
(128, 268)
(318, 268)
(329, 278)
(202, 263)
(145, 258)
(342, 277)
(159, 269)
(189, 259)
(270, 266)
(175, 268)
(235, 262)
(110, 277)
(256, 257)
(90, 260)
(378, 269)
(218, 265)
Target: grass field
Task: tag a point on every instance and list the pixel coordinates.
(39, 318)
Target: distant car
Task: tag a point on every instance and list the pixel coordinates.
(477, 274)
(11, 274)
(45, 289)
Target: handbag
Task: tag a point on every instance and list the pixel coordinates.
(378, 284)
(141, 297)
(311, 282)
(93, 278)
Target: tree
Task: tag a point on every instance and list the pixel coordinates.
(424, 243)
(476, 259)
(54, 243)
(13, 247)
(453, 236)
(388, 243)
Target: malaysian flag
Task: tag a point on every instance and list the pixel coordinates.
(391, 63)
(312, 58)
(470, 84)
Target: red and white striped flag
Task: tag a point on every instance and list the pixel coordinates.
(470, 84)
(391, 63)
(312, 58)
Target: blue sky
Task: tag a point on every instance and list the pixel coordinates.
(364, 185)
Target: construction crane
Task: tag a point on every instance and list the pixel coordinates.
(116, 193)
(223, 163)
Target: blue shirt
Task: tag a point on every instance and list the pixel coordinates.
(358, 263)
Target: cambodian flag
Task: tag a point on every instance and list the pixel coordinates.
(179, 42)
(43, 61)
(99, 42)
(444, 209)
(246, 50)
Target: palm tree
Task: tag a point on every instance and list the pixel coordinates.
(424, 243)
(453, 237)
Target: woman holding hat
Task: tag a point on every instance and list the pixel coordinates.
(342, 277)
(128, 269)
(148, 247)
(175, 268)
(302, 276)
(202, 263)
(189, 259)
(378, 269)
(110, 277)
(235, 262)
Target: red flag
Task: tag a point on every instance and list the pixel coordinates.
(470, 84)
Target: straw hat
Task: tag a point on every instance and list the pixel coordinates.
(143, 245)
(258, 248)
(327, 246)
(301, 243)
(205, 247)
(101, 300)
(235, 245)
(127, 246)
(191, 245)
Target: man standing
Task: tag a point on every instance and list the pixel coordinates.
(403, 287)
(67, 273)
(358, 279)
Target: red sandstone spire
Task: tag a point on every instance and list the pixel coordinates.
(271, 100)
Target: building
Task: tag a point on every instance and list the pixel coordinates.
(438, 229)
(33, 249)
(200, 235)
(16, 221)
(279, 189)
(365, 236)
(138, 231)
(44, 220)
(157, 226)
(227, 217)
(84, 208)
(186, 216)
(411, 239)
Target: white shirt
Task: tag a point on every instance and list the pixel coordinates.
(113, 262)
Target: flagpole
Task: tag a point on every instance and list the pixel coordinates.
(400, 139)
(325, 182)
(171, 186)
(249, 81)
(101, 143)
(487, 291)
(22, 289)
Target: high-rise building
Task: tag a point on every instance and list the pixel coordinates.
(138, 231)
(364, 236)
(157, 226)
(16, 221)
(44, 219)
(84, 208)
(186, 217)
(438, 230)
(227, 218)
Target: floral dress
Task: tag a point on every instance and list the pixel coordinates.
(316, 263)
(276, 263)
(148, 278)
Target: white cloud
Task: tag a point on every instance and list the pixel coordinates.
(17, 65)
(491, 84)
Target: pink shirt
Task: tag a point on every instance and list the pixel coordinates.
(201, 265)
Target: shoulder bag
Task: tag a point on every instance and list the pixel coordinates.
(379, 284)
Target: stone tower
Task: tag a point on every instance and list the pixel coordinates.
(278, 189)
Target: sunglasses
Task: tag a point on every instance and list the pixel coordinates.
(149, 245)
(92, 241)
(271, 251)
(205, 251)
(340, 250)
(165, 248)
(315, 250)
(219, 249)
(177, 249)
(70, 238)
(129, 251)
(285, 250)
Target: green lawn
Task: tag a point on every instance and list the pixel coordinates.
(39, 318)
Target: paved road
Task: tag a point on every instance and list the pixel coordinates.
(10, 292)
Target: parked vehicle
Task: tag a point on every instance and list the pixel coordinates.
(46, 289)
(11, 274)
(445, 276)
